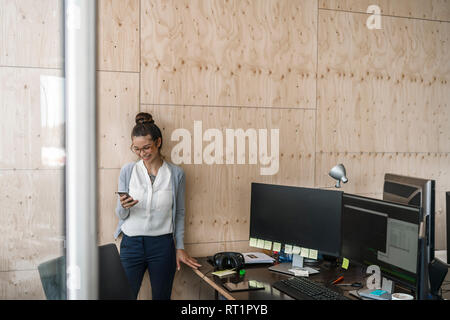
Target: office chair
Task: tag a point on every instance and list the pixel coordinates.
(113, 282)
(52, 274)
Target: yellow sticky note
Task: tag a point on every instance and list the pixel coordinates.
(276, 246)
(345, 263)
(304, 252)
(253, 242)
(268, 245)
(287, 249)
(312, 254)
(260, 243)
(296, 250)
(223, 273)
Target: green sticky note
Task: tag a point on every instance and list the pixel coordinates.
(253, 242)
(268, 245)
(276, 246)
(345, 263)
(287, 249)
(313, 254)
(260, 244)
(296, 250)
(304, 252)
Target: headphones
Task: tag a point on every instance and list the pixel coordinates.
(229, 260)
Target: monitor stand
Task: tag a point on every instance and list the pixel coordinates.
(297, 263)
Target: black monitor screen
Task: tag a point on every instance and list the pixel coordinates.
(382, 233)
(305, 217)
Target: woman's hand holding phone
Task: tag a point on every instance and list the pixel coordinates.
(127, 201)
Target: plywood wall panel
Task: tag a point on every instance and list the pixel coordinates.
(229, 53)
(440, 232)
(118, 104)
(118, 35)
(31, 218)
(379, 90)
(31, 33)
(21, 285)
(442, 96)
(107, 199)
(401, 48)
(217, 196)
(366, 171)
(31, 104)
(430, 9)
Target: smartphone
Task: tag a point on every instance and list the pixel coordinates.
(121, 193)
(244, 285)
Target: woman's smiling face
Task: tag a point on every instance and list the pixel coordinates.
(145, 147)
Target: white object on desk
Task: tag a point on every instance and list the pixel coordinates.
(402, 296)
(299, 272)
(286, 266)
(257, 257)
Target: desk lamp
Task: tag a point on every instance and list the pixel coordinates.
(338, 173)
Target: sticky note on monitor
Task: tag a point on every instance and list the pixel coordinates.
(287, 249)
(296, 250)
(268, 245)
(313, 254)
(260, 243)
(276, 246)
(345, 263)
(253, 242)
(304, 252)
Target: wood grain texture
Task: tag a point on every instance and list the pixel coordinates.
(107, 199)
(31, 220)
(430, 9)
(21, 285)
(31, 33)
(382, 90)
(229, 53)
(440, 241)
(31, 104)
(118, 35)
(118, 104)
(366, 171)
(218, 195)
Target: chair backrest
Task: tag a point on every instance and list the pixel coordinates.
(113, 282)
(52, 274)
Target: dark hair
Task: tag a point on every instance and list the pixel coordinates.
(145, 125)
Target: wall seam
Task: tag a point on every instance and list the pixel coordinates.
(384, 15)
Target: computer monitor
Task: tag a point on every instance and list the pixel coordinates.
(416, 192)
(382, 233)
(305, 217)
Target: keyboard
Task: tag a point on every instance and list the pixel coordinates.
(304, 289)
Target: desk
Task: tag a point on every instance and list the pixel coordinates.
(261, 273)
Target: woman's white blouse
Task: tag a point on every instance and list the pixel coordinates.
(152, 215)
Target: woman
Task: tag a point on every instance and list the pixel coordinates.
(151, 216)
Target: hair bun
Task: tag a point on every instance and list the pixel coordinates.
(144, 117)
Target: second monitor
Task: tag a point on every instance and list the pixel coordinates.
(305, 217)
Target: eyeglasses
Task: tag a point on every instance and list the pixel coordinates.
(144, 148)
